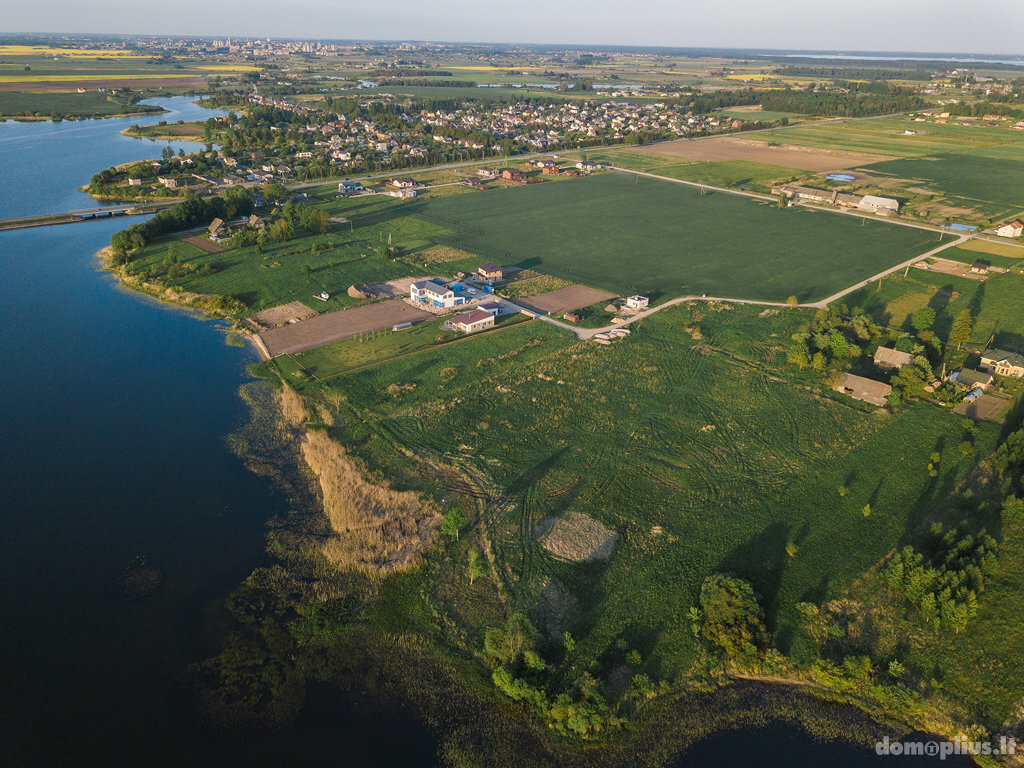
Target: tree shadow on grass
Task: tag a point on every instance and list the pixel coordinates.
(761, 561)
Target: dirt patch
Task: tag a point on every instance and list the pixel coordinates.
(986, 407)
(203, 244)
(577, 537)
(729, 148)
(566, 299)
(958, 268)
(283, 314)
(392, 289)
(441, 254)
(335, 326)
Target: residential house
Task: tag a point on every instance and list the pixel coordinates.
(404, 183)
(550, 170)
(255, 222)
(496, 308)
(134, 182)
(1013, 229)
(217, 229)
(513, 174)
(980, 267)
(470, 322)
(403, 194)
(168, 181)
(972, 379)
(638, 302)
(351, 188)
(1003, 363)
(587, 165)
(860, 388)
(484, 172)
(436, 293)
(889, 359)
(489, 272)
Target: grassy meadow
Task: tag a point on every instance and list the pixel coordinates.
(627, 234)
(685, 440)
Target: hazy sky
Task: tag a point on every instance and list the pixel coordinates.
(979, 26)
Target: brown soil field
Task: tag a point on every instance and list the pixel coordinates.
(958, 268)
(283, 313)
(335, 326)
(566, 299)
(730, 148)
(204, 245)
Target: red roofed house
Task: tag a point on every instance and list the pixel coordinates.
(1013, 229)
(470, 322)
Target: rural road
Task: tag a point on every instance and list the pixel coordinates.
(586, 333)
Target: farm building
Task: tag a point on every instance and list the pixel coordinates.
(572, 317)
(436, 293)
(875, 204)
(1003, 363)
(638, 302)
(255, 222)
(806, 194)
(860, 388)
(470, 322)
(489, 271)
(889, 359)
(972, 379)
(1013, 229)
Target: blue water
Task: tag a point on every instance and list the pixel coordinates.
(43, 163)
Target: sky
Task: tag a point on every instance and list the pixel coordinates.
(953, 26)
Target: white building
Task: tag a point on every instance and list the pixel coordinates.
(436, 293)
(638, 302)
(874, 204)
(1013, 229)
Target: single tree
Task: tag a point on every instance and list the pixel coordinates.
(961, 330)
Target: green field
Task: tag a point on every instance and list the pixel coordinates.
(997, 304)
(701, 460)
(86, 104)
(360, 351)
(626, 235)
(965, 178)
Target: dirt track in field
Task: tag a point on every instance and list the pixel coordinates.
(731, 148)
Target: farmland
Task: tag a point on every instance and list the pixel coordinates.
(628, 235)
(688, 441)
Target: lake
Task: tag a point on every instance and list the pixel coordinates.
(113, 416)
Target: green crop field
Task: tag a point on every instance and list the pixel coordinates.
(885, 136)
(697, 452)
(69, 104)
(627, 234)
(971, 178)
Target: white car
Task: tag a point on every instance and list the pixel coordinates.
(471, 291)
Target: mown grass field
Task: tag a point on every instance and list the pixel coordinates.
(345, 256)
(627, 234)
(350, 354)
(696, 451)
